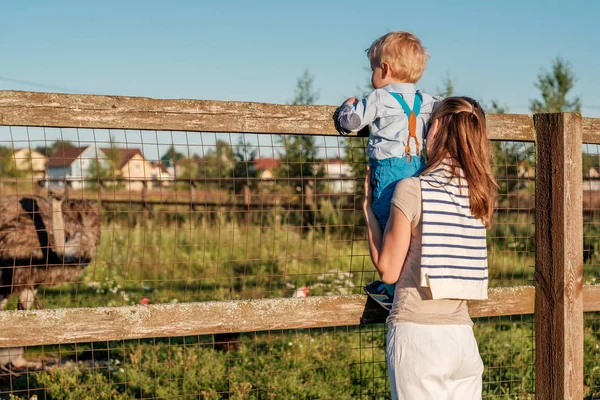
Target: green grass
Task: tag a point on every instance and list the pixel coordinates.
(346, 363)
(196, 260)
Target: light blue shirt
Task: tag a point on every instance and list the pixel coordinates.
(387, 121)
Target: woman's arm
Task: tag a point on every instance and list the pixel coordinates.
(396, 240)
(388, 249)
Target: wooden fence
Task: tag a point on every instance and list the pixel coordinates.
(558, 300)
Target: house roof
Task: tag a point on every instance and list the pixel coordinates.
(161, 165)
(27, 149)
(64, 156)
(334, 161)
(125, 155)
(266, 163)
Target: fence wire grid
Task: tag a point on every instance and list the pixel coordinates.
(591, 270)
(153, 217)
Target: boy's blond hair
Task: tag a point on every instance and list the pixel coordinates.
(403, 52)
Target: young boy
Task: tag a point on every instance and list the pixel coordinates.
(397, 115)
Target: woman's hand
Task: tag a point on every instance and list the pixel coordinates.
(368, 202)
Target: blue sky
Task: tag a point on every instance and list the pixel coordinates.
(254, 51)
(239, 50)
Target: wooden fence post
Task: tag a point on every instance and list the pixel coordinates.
(144, 200)
(558, 257)
(192, 195)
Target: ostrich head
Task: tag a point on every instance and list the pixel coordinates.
(76, 229)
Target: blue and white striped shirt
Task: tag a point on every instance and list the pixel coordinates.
(454, 252)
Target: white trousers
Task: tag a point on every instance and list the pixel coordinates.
(437, 362)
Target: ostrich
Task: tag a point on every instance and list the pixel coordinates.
(43, 241)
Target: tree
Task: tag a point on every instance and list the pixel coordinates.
(50, 151)
(304, 92)
(8, 167)
(114, 159)
(300, 155)
(447, 88)
(217, 162)
(171, 156)
(244, 166)
(554, 88)
(512, 160)
(496, 108)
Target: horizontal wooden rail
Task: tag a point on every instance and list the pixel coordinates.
(119, 112)
(30, 328)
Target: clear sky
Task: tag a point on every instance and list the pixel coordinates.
(242, 50)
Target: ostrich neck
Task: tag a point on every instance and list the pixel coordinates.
(58, 226)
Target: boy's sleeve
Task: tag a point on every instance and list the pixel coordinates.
(354, 117)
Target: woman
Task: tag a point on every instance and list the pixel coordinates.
(434, 249)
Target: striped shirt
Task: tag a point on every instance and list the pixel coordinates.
(454, 252)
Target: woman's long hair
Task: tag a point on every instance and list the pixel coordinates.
(462, 137)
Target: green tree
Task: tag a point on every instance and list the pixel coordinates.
(98, 170)
(511, 160)
(447, 88)
(554, 88)
(305, 92)
(217, 162)
(300, 153)
(244, 166)
(171, 156)
(8, 167)
(50, 151)
(114, 159)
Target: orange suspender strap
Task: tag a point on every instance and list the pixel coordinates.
(411, 115)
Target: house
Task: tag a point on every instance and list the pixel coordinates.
(74, 164)
(593, 181)
(31, 162)
(525, 169)
(341, 176)
(266, 167)
(132, 167)
(160, 173)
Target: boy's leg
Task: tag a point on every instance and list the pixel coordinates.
(385, 175)
(380, 179)
(384, 180)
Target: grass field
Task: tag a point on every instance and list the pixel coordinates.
(200, 261)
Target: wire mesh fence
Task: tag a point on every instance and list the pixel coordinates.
(96, 217)
(591, 255)
(178, 217)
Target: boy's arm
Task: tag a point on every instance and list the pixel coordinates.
(355, 114)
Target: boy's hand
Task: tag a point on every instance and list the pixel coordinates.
(336, 123)
(351, 101)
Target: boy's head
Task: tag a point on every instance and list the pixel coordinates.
(397, 57)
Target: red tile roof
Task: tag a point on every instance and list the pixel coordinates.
(124, 154)
(64, 156)
(161, 165)
(266, 163)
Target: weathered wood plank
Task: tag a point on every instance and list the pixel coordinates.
(78, 325)
(120, 112)
(591, 130)
(133, 322)
(559, 259)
